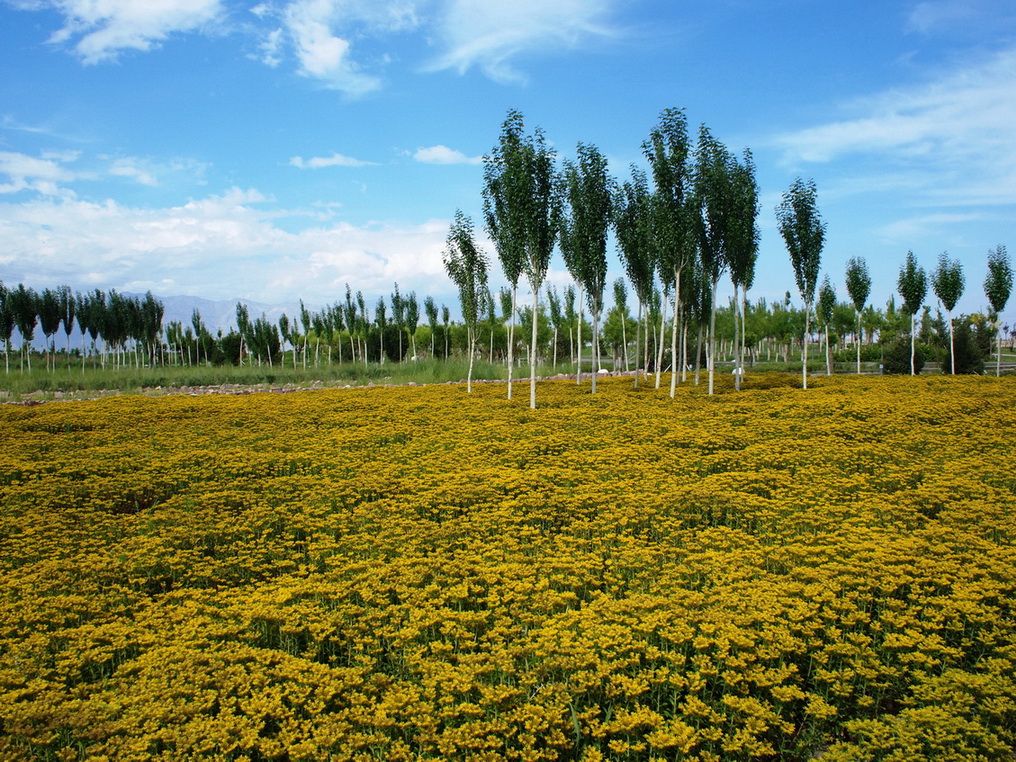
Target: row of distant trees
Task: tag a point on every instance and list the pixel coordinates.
(681, 228)
(695, 223)
(115, 330)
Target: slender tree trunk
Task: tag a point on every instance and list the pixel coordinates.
(998, 357)
(913, 342)
(532, 351)
(638, 343)
(580, 342)
(555, 348)
(828, 355)
(859, 343)
(471, 338)
(684, 346)
(511, 342)
(738, 330)
(698, 353)
(659, 344)
(624, 342)
(674, 333)
(596, 348)
(711, 346)
(952, 346)
(645, 349)
(804, 349)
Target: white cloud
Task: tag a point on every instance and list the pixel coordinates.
(335, 160)
(43, 175)
(130, 168)
(952, 17)
(957, 130)
(218, 247)
(322, 53)
(901, 232)
(444, 155)
(105, 28)
(489, 34)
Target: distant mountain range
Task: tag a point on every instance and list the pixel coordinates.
(218, 315)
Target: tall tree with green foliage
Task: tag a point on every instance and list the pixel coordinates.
(947, 282)
(803, 233)
(466, 265)
(825, 308)
(430, 310)
(858, 288)
(912, 285)
(584, 232)
(412, 319)
(6, 324)
(632, 209)
(668, 151)
(997, 287)
(556, 318)
(67, 307)
(24, 307)
(522, 208)
(48, 307)
(505, 187)
(742, 247)
(716, 223)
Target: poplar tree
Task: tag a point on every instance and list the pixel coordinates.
(466, 265)
(632, 228)
(858, 288)
(522, 207)
(505, 185)
(803, 233)
(584, 233)
(714, 179)
(947, 282)
(997, 287)
(673, 215)
(430, 310)
(912, 285)
(48, 308)
(24, 308)
(67, 307)
(6, 324)
(742, 247)
(412, 319)
(825, 309)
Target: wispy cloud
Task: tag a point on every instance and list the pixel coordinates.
(43, 175)
(100, 31)
(953, 17)
(490, 35)
(328, 39)
(957, 130)
(444, 155)
(335, 160)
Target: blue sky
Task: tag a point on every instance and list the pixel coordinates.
(276, 150)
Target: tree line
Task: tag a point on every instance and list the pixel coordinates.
(679, 230)
(680, 234)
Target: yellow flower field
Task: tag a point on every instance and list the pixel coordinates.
(418, 573)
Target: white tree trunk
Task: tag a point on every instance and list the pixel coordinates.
(532, 351)
(711, 347)
(580, 343)
(659, 344)
(511, 341)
